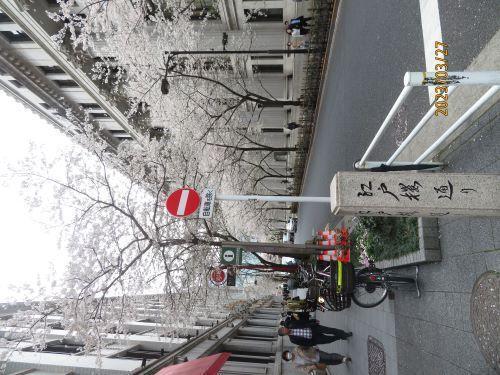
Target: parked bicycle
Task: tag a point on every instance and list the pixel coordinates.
(332, 285)
(329, 284)
(373, 285)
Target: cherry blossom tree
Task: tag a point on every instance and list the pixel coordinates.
(110, 206)
(122, 244)
(211, 101)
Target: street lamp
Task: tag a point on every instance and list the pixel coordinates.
(245, 52)
(165, 85)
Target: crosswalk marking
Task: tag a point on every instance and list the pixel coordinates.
(431, 31)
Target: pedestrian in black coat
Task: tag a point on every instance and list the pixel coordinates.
(298, 22)
(311, 333)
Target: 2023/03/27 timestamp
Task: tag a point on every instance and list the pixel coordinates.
(441, 92)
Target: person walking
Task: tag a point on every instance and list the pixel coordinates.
(308, 359)
(311, 333)
(298, 22)
(303, 317)
(292, 125)
(298, 31)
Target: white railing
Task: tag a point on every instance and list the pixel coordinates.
(413, 79)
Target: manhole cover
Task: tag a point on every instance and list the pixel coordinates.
(376, 357)
(485, 316)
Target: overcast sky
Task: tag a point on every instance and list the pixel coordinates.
(27, 248)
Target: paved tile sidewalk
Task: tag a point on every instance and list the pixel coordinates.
(433, 334)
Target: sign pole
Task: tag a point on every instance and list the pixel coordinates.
(271, 198)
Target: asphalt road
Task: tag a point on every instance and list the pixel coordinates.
(376, 42)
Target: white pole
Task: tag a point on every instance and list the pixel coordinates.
(492, 91)
(271, 198)
(404, 93)
(451, 78)
(416, 130)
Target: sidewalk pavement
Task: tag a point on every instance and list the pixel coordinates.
(434, 334)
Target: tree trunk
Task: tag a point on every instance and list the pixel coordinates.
(259, 148)
(279, 248)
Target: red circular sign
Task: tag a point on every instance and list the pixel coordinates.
(182, 202)
(218, 276)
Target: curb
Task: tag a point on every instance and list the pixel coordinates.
(429, 246)
(331, 39)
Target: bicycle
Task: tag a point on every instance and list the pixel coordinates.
(373, 285)
(329, 285)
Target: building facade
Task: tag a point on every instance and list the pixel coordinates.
(48, 81)
(249, 333)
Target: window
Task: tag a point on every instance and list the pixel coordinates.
(5, 18)
(280, 155)
(272, 130)
(205, 9)
(90, 106)
(267, 57)
(257, 68)
(16, 36)
(140, 353)
(240, 356)
(264, 15)
(100, 115)
(55, 3)
(64, 83)
(214, 63)
(51, 69)
(105, 59)
(147, 320)
(156, 133)
(58, 347)
(16, 83)
(56, 325)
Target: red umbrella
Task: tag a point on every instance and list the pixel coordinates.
(202, 366)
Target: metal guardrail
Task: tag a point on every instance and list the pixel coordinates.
(414, 79)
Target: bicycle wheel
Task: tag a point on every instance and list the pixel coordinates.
(313, 289)
(368, 293)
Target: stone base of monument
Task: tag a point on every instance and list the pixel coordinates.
(429, 247)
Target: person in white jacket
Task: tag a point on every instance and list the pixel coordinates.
(308, 359)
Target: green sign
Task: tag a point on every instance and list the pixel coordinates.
(230, 255)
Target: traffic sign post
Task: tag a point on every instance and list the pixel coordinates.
(230, 255)
(183, 202)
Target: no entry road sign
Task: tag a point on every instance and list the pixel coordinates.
(182, 202)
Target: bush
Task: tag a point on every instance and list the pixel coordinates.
(384, 237)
